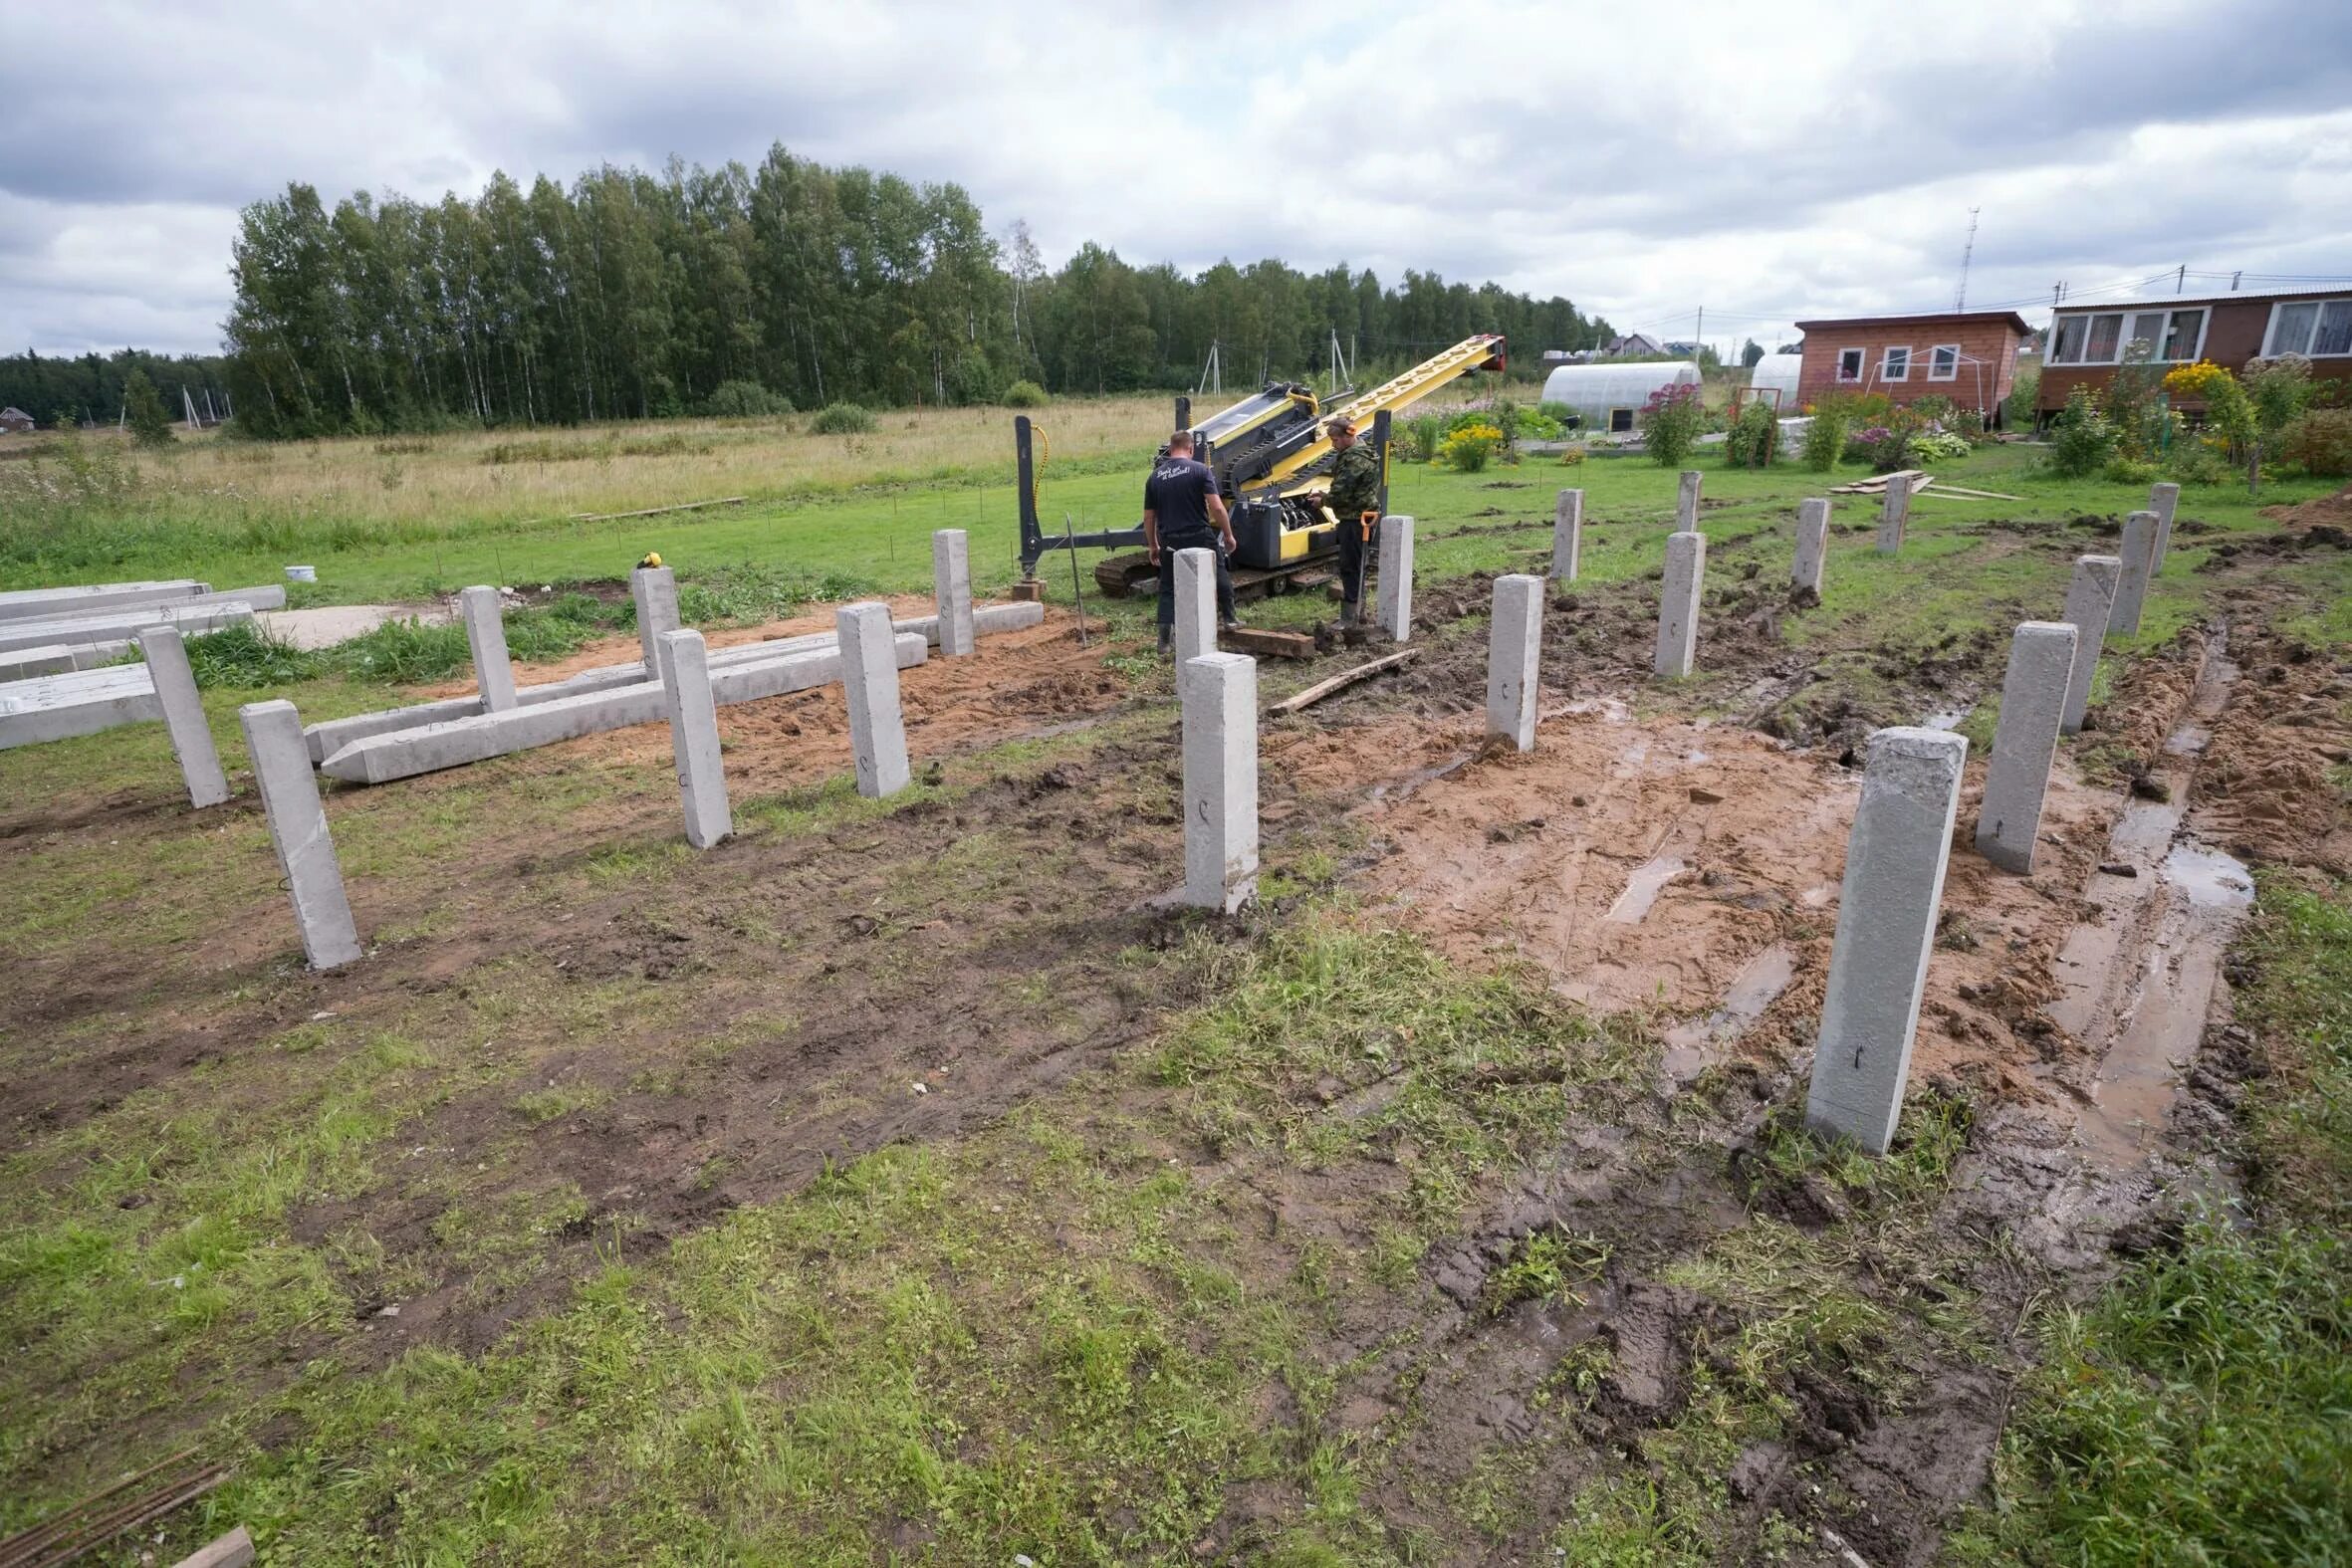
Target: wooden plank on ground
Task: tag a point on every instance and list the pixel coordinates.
(1974, 494)
(1298, 700)
(654, 512)
(1266, 644)
(233, 1550)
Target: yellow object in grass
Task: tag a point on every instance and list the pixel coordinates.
(652, 559)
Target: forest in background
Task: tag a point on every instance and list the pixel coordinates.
(630, 294)
(88, 388)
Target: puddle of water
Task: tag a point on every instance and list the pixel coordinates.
(1643, 887)
(1402, 789)
(2136, 982)
(1692, 1046)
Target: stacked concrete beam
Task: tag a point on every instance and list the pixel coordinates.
(485, 639)
(1678, 604)
(1515, 654)
(694, 738)
(1567, 535)
(2164, 498)
(869, 678)
(1220, 699)
(2090, 598)
(1813, 545)
(1895, 515)
(951, 585)
(1392, 605)
(1686, 501)
(93, 599)
(81, 701)
(654, 591)
(2138, 559)
(191, 616)
(58, 658)
(298, 831)
(183, 716)
(2024, 741)
(406, 751)
(1886, 929)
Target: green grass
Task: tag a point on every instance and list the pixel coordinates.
(2200, 1410)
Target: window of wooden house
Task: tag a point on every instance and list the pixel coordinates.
(2310, 326)
(2183, 336)
(1944, 363)
(1849, 364)
(1896, 366)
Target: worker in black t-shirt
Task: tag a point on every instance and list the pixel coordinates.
(1183, 510)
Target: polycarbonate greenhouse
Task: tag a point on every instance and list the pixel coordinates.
(1781, 371)
(1608, 396)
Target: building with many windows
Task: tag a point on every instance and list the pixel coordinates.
(2088, 341)
(1969, 356)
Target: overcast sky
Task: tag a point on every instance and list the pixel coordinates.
(1762, 160)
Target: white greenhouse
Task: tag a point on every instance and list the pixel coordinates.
(1779, 372)
(1608, 396)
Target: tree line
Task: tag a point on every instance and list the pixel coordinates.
(630, 294)
(90, 389)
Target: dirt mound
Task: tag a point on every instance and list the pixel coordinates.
(2273, 782)
(2335, 509)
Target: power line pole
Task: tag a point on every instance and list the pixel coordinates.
(2180, 278)
(1699, 337)
(2234, 277)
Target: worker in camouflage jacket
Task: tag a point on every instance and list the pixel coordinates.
(1354, 499)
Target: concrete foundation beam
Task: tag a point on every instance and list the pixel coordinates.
(56, 658)
(694, 738)
(83, 701)
(869, 680)
(653, 592)
(1392, 603)
(1686, 501)
(183, 716)
(191, 617)
(2164, 498)
(485, 639)
(1886, 929)
(951, 587)
(1813, 545)
(1567, 535)
(2138, 556)
(2090, 597)
(1196, 607)
(298, 830)
(66, 603)
(2017, 778)
(1894, 514)
(1515, 652)
(1220, 696)
(422, 748)
(1678, 604)
(327, 738)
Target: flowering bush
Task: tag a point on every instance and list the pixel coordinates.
(1470, 447)
(1752, 436)
(2227, 412)
(1670, 423)
(1826, 424)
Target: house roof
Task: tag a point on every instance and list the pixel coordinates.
(2149, 301)
(1923, 319)
(13, 412)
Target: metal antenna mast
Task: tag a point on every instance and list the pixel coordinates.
(1966, 252)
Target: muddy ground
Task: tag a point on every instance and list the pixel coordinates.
(840, 980)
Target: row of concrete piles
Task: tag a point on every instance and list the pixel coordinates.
(866, 653)
(1900, 842)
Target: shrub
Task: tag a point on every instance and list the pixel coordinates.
(1025, 394)
(1570, 456)
(246, 658)
(1471, 447)
(2082, 439)
(1752, 434)
(2196, 462)
(843, 419)
(2227, 414)
(1825, 437)
(2122, 470)
(1420, 438)
(1939, 446)
(143, 411)
(745, 401)
(2018, 412)
(1539, 427)
(2321, 441)
(1565, 413)
(1670, 423)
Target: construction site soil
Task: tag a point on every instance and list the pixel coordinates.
(1673, 867)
